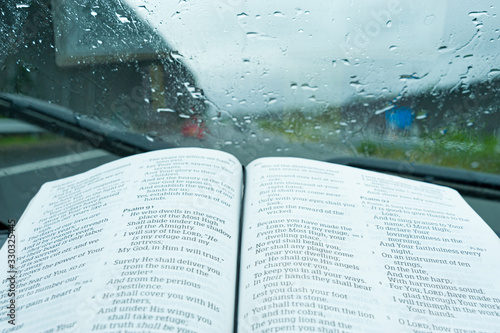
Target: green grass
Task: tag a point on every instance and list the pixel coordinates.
(461, 148)
(296, 126)
(456, 149)
(26, 139)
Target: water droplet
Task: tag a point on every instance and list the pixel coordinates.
(241, 14)
(278, 14)
(93, 12)
(300, 30)
(493, 72)
(165, 110)
(384, 109)
(429, 19)
(478, 13)
(123, 19)
(293, 85)
(176, 55)
(413, 76)
(392, 48)
(388, 24)
(421, 116)
(306, 86)
(474, 165)
(149, 138)
(22, 5)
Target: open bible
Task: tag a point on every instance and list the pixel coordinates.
(184, 240)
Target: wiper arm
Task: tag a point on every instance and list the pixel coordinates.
(63, 121)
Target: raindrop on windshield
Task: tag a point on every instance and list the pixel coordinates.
(123, 19)
(176, 55)
(478, 13)
(475, 165)
(429, 20)
(306, 86)
(165, 110)
(493, 72)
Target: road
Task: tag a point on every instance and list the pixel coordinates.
(24, 168)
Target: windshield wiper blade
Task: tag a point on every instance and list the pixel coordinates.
(63, 121)
(473, 183)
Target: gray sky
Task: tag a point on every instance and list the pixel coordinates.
(252, 55)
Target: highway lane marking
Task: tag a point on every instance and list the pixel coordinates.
(52, 162)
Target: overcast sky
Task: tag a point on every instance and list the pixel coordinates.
(249, 55)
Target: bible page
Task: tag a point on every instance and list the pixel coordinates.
(147, 243)
(329, 248)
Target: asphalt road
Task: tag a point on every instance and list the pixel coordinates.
(24, 168)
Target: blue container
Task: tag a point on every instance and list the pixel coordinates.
(399, 117)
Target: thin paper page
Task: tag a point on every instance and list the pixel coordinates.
(328, 248)
(145, 243)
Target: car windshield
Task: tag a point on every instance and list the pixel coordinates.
(407, 81)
